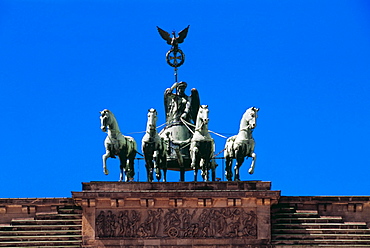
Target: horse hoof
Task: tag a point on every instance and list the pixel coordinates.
(106, 172)
(251, 171)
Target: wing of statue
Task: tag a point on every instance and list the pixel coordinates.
(165, 35)
(195, 103)
(166, 105)
(182, 35)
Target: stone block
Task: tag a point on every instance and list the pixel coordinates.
(204, 214)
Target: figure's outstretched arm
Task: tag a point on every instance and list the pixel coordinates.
(174, 86)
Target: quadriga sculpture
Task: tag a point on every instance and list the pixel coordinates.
(116, 144)
(202, 145)
(241, 145)
(154, 149)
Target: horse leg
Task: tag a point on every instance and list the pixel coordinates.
(158, 173)
(194, 161)
(201, 166)
(213, 166)
(149, 168)
(121, 169)
(105, 157)
(195, 174)
(161, 164)
(130, 169)
(149, 164)
(254, 158)
(239, 162)
(228, 172)
(204, 166)
(165, 174)
(157, 163)
(197, 166)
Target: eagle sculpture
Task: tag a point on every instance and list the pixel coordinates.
(174, 41)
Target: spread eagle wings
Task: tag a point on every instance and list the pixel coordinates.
(167, 37)
(182, 34)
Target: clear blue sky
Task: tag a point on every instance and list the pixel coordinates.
(305, 64)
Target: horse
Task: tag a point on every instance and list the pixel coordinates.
(154, 149)
(116, 144)
(201, 145)
(241, 145)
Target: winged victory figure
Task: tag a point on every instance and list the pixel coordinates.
(174, 41)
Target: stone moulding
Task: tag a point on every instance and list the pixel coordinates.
(176, 214)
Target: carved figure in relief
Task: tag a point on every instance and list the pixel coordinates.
(123, 223)
(220, 222)
(187, 218)
(142, 231)
(232, 228)
(99, 223)
(152, 222)
(171, 219)
(192, 231)
(241, 145)
(149, 221)
(110, 224)
(250, 224)
(205, 222)
(205, 230)
(157, 220)
(135, 218)
(116, 144)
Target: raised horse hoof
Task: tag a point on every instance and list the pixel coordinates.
(251, 171)
(106, 172)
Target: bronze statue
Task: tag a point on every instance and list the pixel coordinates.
(174, 41)
(174, 57)
(181, 115)
(180, 106)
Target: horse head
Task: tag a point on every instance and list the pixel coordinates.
(152, 120)
(250, 118)
(202, 117)
(104, 117)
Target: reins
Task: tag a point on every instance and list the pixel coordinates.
(186, 125)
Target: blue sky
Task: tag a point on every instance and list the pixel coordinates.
(305, 64)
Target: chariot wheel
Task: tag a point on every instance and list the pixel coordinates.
(175, 58)
(173, 232)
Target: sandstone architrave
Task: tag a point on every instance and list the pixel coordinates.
(202, 214)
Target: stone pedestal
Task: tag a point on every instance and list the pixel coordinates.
(176, 214)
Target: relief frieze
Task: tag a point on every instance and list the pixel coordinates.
(177, 223)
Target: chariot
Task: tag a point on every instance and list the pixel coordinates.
(184, 143)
